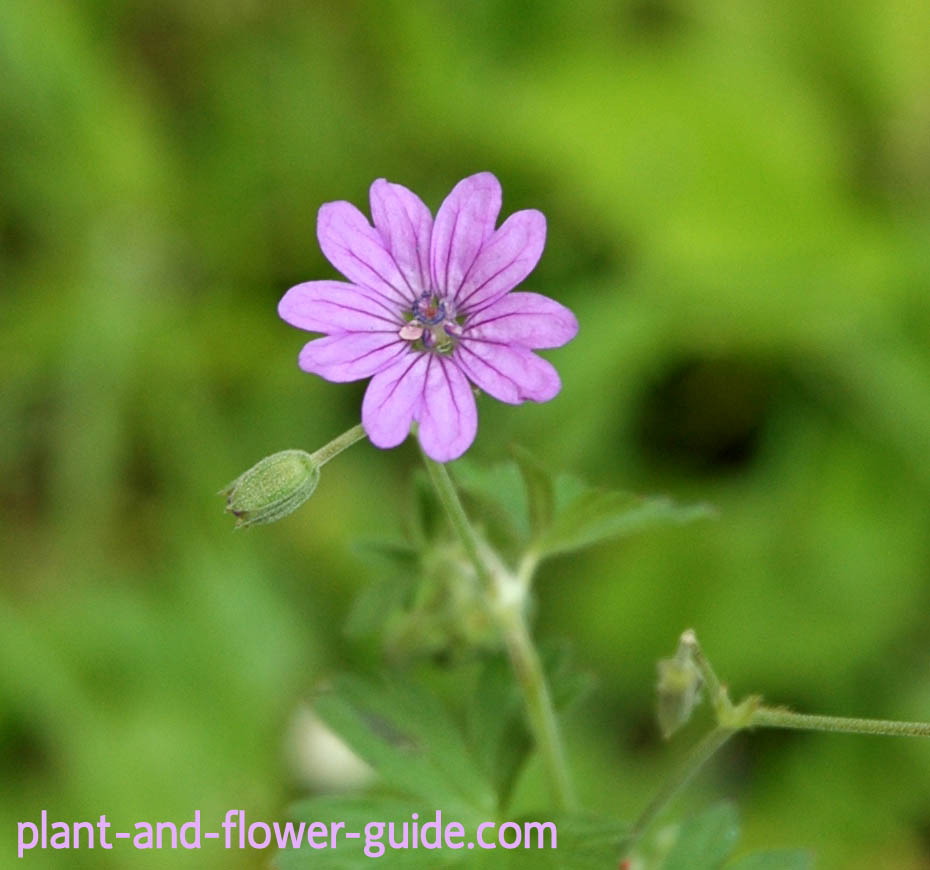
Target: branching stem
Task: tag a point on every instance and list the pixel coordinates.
(505, 596)
(751, 713)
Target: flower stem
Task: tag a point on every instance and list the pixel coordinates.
(452, 504)
(693, 762)
(538, 700)
(508, 612)
(774, 717)
(338, 444)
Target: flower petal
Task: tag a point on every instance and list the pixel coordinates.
(447, 414)
(392, 398)
(509, 373)
(334, 306)
(504, 261)
(463, 223)
(406, 226)
(349, 356)
(527, 319)
(357, 250)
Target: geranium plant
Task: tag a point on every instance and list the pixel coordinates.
(429, 312)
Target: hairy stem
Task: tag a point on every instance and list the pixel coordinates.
(508, 612)
(452, 505)
(750, 713)
(538, 700)
(773, 717)
(338, 444)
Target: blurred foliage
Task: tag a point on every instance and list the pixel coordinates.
(738, 198)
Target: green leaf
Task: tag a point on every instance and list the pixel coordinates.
(358, 811)
(496, 729)
(405, 735)
(775, 859)
(397, 553)
(516, 499)
(705, 841)
(497, 732)
(567, 683)
(595, 515)
(585, 842)
(497, 499)
(378, 604)
(423, 519)
(540, 491)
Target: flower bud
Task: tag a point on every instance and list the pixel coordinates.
(679, 687)
(273, 488)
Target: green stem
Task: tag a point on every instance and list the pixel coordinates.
(337, 445)
(452, 504)
(539, 707)
(752, 714)
(693, 762)
(773, 717)
(524, 659)
(732, 718)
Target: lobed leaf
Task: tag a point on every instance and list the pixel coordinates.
(405, 735)
(705, 841)
(585, 842)
(499, 495)
(540, 490)
(357, 811)
(497, 730)
(597, 515)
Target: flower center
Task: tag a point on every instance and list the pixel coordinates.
(429, 309)
(432, 325)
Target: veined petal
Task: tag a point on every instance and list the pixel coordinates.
(357, 250)
(447, 414)
(527, 319)
(406, 226)
(334, 306)
(349, 356)
(504, 261)
(463, 223)
(392, 398)
(509, 373)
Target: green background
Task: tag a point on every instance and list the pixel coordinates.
(738, 202)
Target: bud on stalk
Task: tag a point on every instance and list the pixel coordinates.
(679, 686)
(272, 489)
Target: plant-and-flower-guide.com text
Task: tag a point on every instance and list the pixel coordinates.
(236, 833)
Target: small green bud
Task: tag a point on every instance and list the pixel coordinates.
(679, 687)
(273, 488)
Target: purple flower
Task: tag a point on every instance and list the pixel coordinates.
(429, 308)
